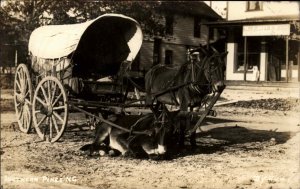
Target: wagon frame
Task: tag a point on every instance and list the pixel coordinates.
(47, 90)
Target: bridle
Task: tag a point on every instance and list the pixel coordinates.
(213, 70)
(205, 66)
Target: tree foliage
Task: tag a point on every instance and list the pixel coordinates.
(18, 18)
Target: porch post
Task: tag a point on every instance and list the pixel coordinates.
(16, 58)
(287, 58)
(245, 58)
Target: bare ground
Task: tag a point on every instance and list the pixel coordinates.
(243, 147)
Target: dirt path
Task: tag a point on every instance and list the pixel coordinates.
(241, 148)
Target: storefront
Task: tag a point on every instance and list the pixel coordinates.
(260, 50)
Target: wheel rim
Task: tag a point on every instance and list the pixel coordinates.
(23, 97)
(50, 109)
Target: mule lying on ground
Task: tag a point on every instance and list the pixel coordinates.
(154, 144)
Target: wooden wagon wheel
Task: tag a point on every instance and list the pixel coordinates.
(23, 97)
(50, 109)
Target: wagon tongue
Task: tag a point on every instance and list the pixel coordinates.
(206, 112)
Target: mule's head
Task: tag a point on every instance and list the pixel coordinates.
(214, 69)
(163, 137)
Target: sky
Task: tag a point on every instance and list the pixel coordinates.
(218, 6)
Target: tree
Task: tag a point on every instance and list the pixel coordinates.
(18, 18)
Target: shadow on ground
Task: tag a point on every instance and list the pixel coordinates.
(230, 138)
(233, 139)
(225, 137)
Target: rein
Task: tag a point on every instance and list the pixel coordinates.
(192, 83)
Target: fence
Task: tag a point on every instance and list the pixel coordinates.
(10, 56)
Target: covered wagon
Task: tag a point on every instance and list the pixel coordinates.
(69, 64)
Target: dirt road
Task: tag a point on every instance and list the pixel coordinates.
(245, 146)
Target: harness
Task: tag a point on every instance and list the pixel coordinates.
(192, 83)
(195, 86)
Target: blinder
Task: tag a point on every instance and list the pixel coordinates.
(213, 67)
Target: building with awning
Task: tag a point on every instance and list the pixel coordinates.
(263, 40)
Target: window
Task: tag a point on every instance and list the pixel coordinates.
(253, 54)
(156, 51)
(197, 27)
(169, 24)
(168, 57)
(211, 34)
(254, 5)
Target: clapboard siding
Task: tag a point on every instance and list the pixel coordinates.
(182, 38)
(179, 53)
(183, 32)
(146, 55)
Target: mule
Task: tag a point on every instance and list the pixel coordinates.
(186, 85)
(110, 138)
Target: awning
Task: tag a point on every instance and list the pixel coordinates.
(248, 21)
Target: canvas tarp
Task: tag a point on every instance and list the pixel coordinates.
(99, 45)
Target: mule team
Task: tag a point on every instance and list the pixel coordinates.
(184, 86)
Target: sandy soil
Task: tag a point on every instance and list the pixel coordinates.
(243, 147)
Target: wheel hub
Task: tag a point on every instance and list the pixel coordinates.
(21, 98)
(49, 110)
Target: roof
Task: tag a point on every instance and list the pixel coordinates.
(194, 8)
(255, 20)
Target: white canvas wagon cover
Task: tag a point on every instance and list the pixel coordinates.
(99, 45)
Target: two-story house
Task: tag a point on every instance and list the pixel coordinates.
(263, 36)
(183, 29)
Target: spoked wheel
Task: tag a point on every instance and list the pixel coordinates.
(23, 97)
(50, 109)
